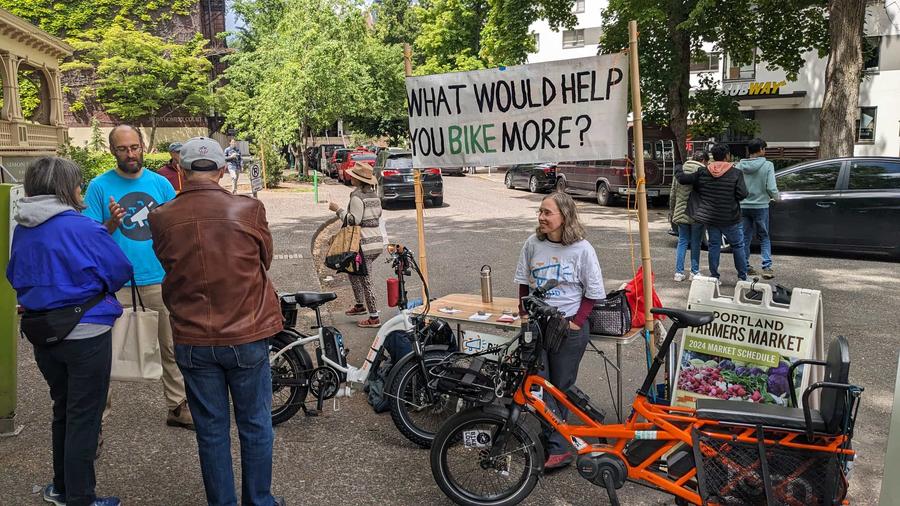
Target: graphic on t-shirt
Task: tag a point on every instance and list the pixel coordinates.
(135, 224)
(556, 271)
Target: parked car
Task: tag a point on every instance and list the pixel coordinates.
(537, 177)
(453, 171)
(351, 158)
(326, 151)
(607, 179)
(394, 172)
(841, 204)
(337, 158)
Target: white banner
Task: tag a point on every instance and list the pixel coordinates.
(544, 112)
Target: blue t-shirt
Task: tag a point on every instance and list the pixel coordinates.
(138, 197)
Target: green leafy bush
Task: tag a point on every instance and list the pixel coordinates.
(94, 163)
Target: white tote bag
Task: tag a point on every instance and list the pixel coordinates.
(135, 343)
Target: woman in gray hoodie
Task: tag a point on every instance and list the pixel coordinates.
(689, 232)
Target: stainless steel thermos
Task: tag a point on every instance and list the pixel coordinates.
(487, 290)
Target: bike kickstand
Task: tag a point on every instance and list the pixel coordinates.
(308, 412)
(610, 488)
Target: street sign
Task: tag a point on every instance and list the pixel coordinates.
(256, 181)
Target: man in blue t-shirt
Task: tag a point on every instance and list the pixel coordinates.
(121, 199)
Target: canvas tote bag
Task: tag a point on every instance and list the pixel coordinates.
(343, 252)
(135, 343)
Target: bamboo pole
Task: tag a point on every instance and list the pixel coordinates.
(420, 198)
(639, 167)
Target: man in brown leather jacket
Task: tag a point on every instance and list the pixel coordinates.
(215, 248)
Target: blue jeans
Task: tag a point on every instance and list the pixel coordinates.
(757, 220)
(561, 368)
(688, 235)
(734, 234)
(210, 374)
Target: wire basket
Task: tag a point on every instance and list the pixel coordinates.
(469, 377)
(731, 472)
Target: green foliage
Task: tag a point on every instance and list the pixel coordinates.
(450, 37)
(396, 22)
(713, 113)
(94, 162)
(29, 84)
(98, 140)
(275, 164)
(506, 38)
(80, 17)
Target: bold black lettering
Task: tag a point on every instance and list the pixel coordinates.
(582, 85)
(510, 137)
(500, 105)
(413, 102)
(441, 99)
(424, 148)
(546, 133)
(537, 134)
(545, 85)
(484, 97)
(568, 90)
(430, 100)
(531, 103)
(563, 131)
(594, 97)
(438, 149)
(456, 88)
(610, 82)
(524, 89)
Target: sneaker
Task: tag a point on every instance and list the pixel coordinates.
(751, 271)
(107, 501)
(370, 323)
(279, 501)
(693, 275)
(356, 310)
(679, 276)
(180, 417)
(559, 460)
(768, 273)
(52, 496)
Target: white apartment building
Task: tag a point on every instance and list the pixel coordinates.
(787, 111)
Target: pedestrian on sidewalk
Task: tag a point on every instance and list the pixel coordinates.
(690, 233)
(170, 170)
(759, 176)
(558, 250)
(234, 158)
(715, 202)
(59, 259)
(224, 310)
(121, 199)
(365, 210)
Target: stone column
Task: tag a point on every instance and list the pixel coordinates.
(12, 107)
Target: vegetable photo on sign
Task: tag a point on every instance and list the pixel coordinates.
(724, 378)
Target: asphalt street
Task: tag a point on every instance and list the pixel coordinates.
(353, 456)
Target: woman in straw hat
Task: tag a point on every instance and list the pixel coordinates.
(365, 208)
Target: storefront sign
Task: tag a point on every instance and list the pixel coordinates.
(753, 88)
(543, 112)
(745, 353)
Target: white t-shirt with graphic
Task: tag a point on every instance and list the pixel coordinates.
(574, 267)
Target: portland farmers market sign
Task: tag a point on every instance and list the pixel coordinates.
(543, 112)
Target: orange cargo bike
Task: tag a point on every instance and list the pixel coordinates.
(722, 452)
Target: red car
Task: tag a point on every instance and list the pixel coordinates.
(353, 157)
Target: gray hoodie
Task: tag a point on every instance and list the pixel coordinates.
(759, 176)
(33, 211)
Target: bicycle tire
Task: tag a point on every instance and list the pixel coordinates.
(453, 437)
(296, 365)
(402, 396)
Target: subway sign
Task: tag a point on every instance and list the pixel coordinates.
(753, 88)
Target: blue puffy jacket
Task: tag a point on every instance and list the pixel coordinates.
(62, 258)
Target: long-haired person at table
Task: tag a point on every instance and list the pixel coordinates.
(558, 251)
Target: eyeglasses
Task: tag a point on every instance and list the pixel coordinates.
(136, 148)
(545, 213)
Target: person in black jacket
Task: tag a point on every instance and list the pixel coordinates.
(716, 202)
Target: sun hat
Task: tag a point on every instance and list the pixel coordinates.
(363, 172)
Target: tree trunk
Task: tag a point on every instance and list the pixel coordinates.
(680, 85)
(303, 147)
(840, 107)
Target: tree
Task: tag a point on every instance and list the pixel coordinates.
(77, 18)
(141, 77)
(712, 112)
(506, 38)
(396, 22)
(97, 142)
(840, 108)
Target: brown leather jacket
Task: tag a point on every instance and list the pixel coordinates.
(216, 248)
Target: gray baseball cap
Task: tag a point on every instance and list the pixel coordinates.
(202, 149)
(175, 147)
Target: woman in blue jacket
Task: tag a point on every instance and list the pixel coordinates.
(61, 258)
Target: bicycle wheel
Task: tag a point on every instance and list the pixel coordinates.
(415, 416)
(466, 473)
(290, 378)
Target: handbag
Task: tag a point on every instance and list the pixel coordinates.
(46, 328)
(344, 253)
(612, 315)
(135, 343)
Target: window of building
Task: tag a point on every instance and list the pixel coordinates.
(865, 125)
(578, 8)
(537, 41)
(705, 63)
(737, 71)
(874, 175)
(822, 177)
(573, 38)
(871, 53)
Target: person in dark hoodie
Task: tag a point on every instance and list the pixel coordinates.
(61, 258)
(689, 232)
(715, 202)
(759, 175)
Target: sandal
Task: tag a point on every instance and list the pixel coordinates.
(370, 323)
(355, 310)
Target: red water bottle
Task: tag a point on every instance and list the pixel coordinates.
(393, 292)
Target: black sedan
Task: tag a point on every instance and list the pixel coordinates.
(537, 177)
(394, 172)
(840, 204)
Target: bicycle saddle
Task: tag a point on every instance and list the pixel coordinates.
(685, 318)
(313, 300)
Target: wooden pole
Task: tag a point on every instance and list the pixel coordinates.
(639, 167)
(420, 197)
(262, 158)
